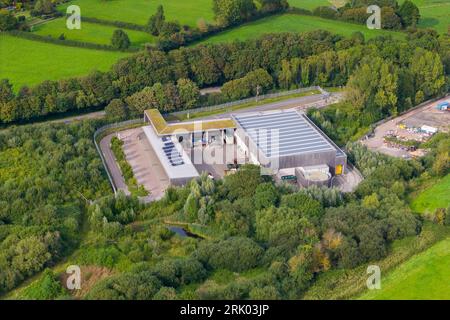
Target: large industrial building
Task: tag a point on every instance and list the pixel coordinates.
(287, 139)
(284, 142)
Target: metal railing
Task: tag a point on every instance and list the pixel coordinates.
(248, 100)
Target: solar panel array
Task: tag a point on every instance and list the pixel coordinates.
(171, 152)
(283, 133)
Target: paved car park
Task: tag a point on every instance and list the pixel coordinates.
(218, 158)
(146, 167)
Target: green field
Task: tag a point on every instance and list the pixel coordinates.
(90, 32)
(438, 196)
(27, 62)
(294, 23)
(424, 276)
(139, 11)
(434, 14)
(309, 4)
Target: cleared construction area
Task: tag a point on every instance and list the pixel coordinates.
(401, 137)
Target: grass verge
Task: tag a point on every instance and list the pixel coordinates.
(424, 276)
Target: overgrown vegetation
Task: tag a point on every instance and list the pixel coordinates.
(47, 175)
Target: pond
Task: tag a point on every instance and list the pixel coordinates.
(183, 232)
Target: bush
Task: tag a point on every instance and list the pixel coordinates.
(7, 21)
(265, 293)
(180, 272)
(266, 195)
(325, 12)
(48, 287)
(120, 40)
(43, 7)
(283, 227)
(126, 286)
(243, 183)
(234, 254)
(117, 110)
(308, 207)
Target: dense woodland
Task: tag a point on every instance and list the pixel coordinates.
(47, 173)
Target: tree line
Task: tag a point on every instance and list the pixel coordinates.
(204, 65)
(393, 15)
(209, 65)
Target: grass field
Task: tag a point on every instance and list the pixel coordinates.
(437, 196)
(424, 276)
(312, 4)
(90, 32)
(309, 4)
(139, 11)
(27, 62)
(434, 14)
(294, 23)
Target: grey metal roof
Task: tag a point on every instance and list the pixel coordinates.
(283, 133)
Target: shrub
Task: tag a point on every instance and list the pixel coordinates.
(325, 12)
(120, 40)
(126, 286)
(48, 287)
(234, 254)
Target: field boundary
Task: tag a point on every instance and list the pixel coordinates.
(68, 43)
(117, 24)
